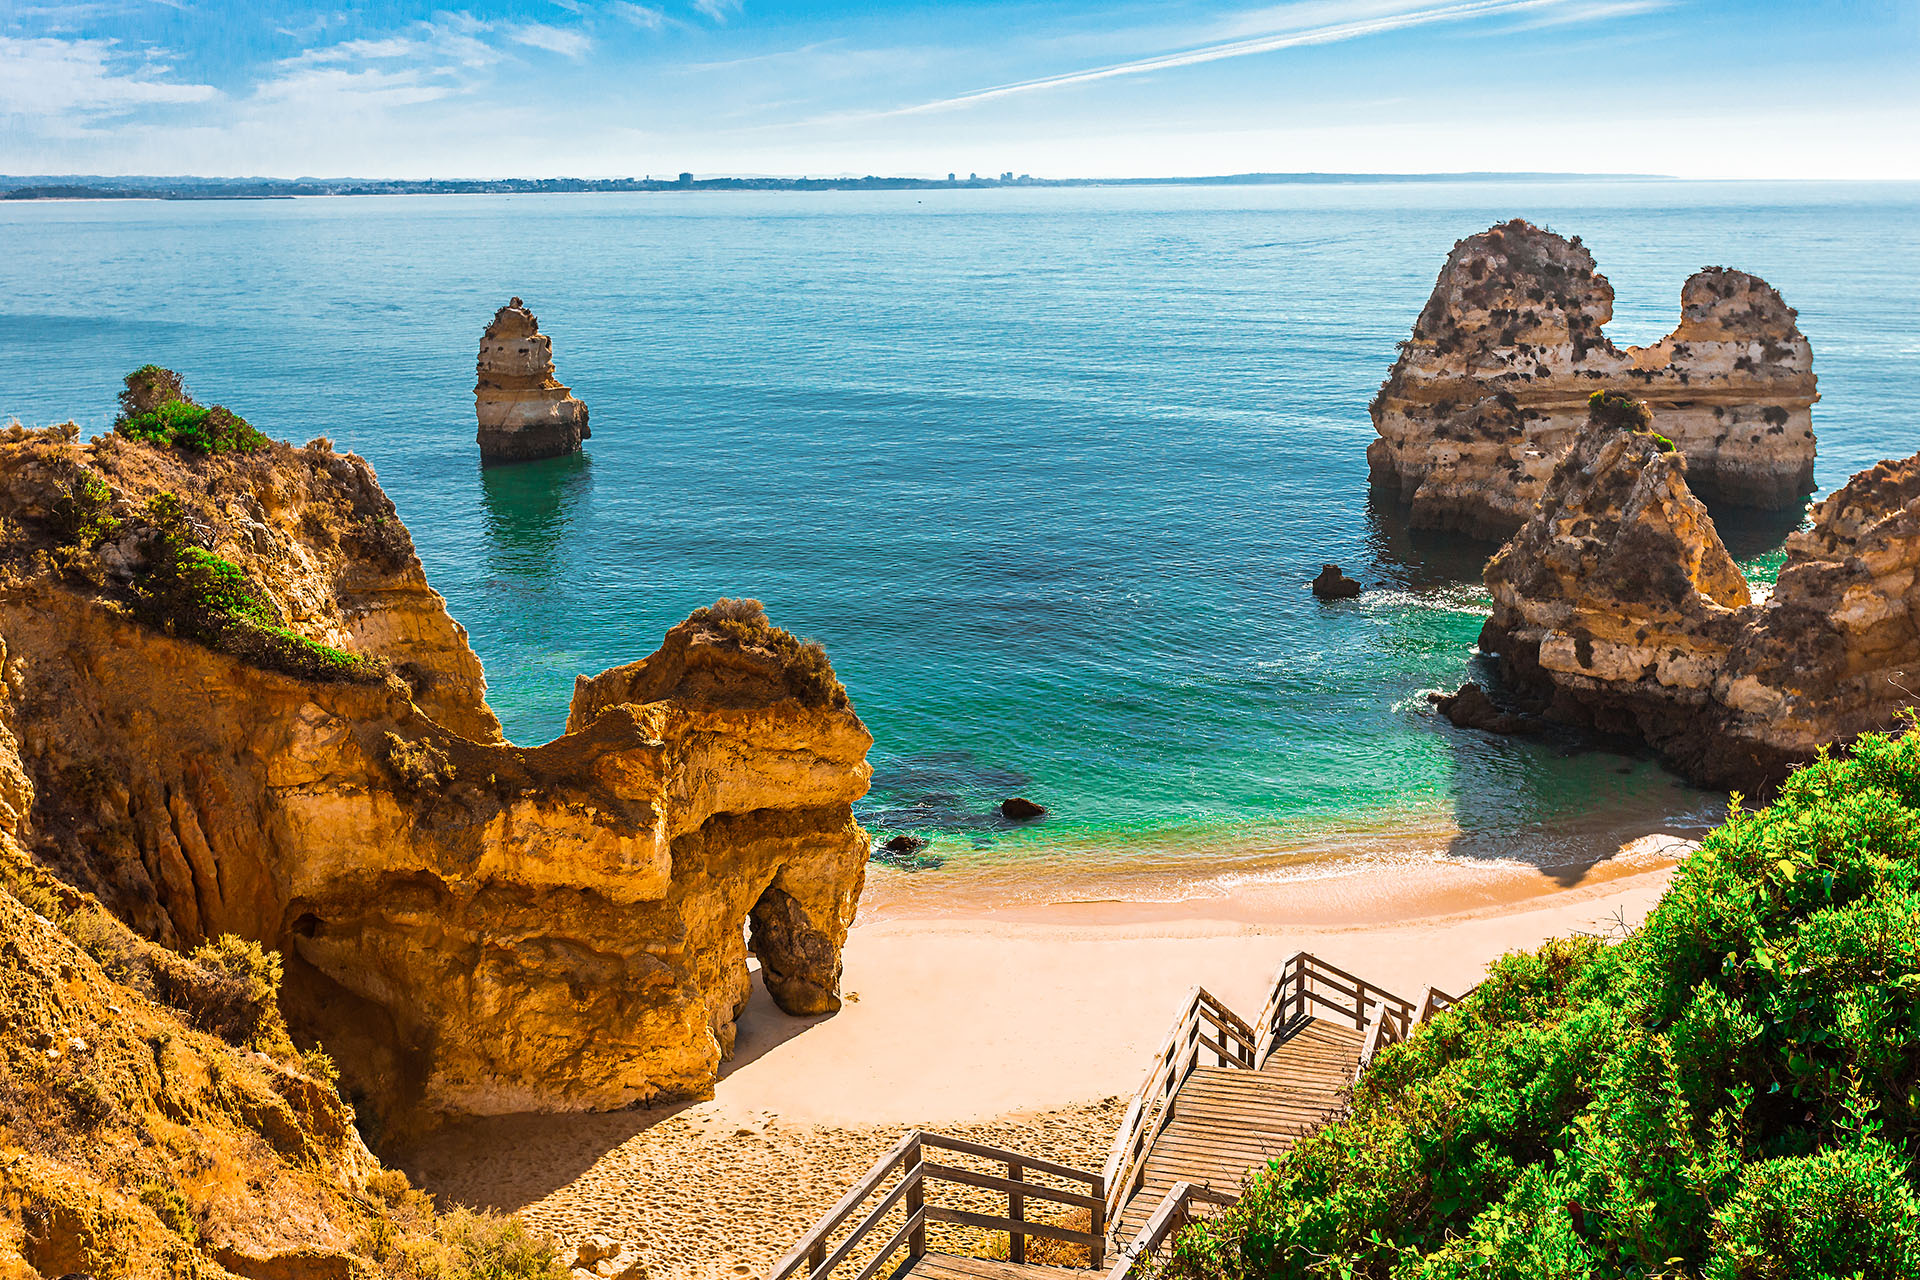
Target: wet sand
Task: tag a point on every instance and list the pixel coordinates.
(1025, 1028)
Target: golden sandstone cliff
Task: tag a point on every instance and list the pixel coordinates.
(1616, 606)
(295, 749)
(523, 410)
(1492, 386)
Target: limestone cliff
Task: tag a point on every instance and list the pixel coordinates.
(1491, 388)
(1617, 607)
(467, 925)
(523, 410)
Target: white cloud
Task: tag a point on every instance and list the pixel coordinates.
(1387, 17)
(78, 79)
(564, 41)
(646, 17)
(717, 10)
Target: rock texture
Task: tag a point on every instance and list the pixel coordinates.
(524, 411)
(1332, 583)
(467, 925)
(1491, 388)
(1617, 607)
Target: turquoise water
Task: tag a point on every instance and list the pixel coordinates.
(1045, 470)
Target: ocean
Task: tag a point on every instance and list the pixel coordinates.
(1045, 470)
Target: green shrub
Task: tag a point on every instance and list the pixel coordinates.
(471, 1246)
(154, 406)
(208, 598)
(173, 1209)
(81, 509)
(1620, 411)
(1662, 443)
(236, 994)
(1732, 1091)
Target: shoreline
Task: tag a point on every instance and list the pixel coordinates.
(1027, 1028)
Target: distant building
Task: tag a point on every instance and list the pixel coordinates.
(686, 179)
(973, 177)
(949, 177)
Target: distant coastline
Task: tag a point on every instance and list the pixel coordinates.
(100, 187)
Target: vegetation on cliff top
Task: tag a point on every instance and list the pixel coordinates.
(808, 673)
(155, 406)
(1731, 1092)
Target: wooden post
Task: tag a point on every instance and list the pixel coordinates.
(916, 1201)
(1099, 1256)
(1017, 1210)
(816, 1258)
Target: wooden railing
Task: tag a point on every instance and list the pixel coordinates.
(1307, 986)
(910, 1171)
(1174, 1212)
(1232, 1044)
(1437, 1000)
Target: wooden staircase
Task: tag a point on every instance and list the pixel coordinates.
(1190, 1137)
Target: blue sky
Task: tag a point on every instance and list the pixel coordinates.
(597, 88)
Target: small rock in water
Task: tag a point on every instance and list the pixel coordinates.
(1471, 708)
(901, 845)
(1019, 809)
(1332, 584)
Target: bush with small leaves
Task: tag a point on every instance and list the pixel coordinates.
(1728, 1092)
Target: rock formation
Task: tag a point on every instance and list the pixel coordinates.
(1617, 607)
(1492, 387)
(467, 925)
(1332, 583)
(523, 410)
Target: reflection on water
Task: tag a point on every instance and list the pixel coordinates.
(531, 507)
(1419, 559)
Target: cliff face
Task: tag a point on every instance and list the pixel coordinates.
(468, 926)
(1617, 606)
(523, 410)
(1491, 388)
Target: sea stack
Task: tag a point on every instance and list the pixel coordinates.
(524, 411)
(1491, 388)
(1618, 607)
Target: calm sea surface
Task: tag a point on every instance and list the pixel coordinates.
(1045, 470)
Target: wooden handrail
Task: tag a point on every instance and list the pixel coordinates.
(812, 1259)
(1174, 1212)
(1151, 1108)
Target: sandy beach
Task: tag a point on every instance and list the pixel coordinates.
(1027, 1029)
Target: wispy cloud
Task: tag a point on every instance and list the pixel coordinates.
(646, 17)
(564, 41)
(716, 10)
(79, 79)
(1294, 36)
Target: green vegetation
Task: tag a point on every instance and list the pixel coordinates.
(1618, 410)
(154, 406)
(82, 509)
(209, 598)
(1731, 1092)
(808, 674)
(1665, 445)
(421, 765)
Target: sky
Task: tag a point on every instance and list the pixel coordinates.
(619, 88)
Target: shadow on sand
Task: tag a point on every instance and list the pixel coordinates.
(507, 1162)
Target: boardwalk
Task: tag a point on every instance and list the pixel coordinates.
(1222, 1097)
(1229, 1121)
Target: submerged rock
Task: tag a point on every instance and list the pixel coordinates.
(1492, 386)
(467, 926)
(904, 844)
(1333, 584)
(523, 410)
(1618, 607)
(1020, 809)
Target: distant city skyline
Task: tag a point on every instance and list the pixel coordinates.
(612, 88)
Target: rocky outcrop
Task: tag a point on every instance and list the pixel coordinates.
(1492, 386)
(468, 926)
(1332, 583)
(1617, 607)
(524, 411)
